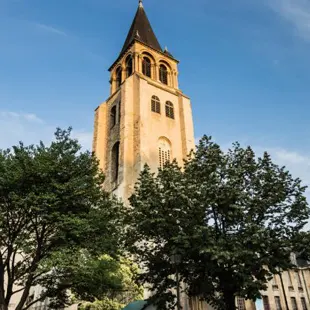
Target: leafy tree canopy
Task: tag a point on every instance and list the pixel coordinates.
(234, 219)
(107, 283)
(52, 208)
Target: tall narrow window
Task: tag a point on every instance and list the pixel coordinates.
(115, 162)
(113, 116)
(164, 152)
(294, 303)
(289, 281)
(274, 282)
(303, 303)
(155, 104)
(241, 303)
(129, 68)
(278, 303)
(169, 109)
(119, 111)
(298, 278)
(146, 67)
(163, 74)
(266, 303)
(118, 77)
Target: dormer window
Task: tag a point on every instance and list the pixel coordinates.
(118, 77)
(129, 67)
(163, 74)
(146, 67)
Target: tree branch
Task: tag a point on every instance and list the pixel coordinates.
(41, 298)
(17, 291)
(33, 267)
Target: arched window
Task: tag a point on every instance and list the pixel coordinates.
(169, 109)
(118, 77)
(115, 162)
(146, 67)
(163, 74)
(164, 152)
(155, 104)
(129, 68)
(113, 116)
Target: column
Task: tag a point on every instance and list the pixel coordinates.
(124, 73)
(113, 84)
(176, 84)
(155, 72)
(136, 62)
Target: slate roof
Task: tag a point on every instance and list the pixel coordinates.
(142, 31)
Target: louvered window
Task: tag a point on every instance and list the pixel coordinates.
(169, 110)
(164, 152)
(155, 104)
(129, 68)
(146, 67)
(163, 74)
(118, 77)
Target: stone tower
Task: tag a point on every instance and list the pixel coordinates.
(147, 118)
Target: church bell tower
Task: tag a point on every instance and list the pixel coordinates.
(147, 118)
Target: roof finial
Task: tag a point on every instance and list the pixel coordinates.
(140, 4)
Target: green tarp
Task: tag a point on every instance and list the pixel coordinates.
(136, 305)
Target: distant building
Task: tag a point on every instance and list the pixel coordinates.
(286, 291)
(289, 290)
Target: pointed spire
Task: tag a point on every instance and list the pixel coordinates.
(141, 30)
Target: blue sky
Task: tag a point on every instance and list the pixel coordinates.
(244, 63)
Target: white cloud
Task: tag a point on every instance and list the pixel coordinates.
(50, 29)
(298, 164)
(26, 127)
(84, 137)
(33, 118)
(20, 117)
(296, 12)
(30, 129)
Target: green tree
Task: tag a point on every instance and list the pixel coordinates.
(232, 217)
(52, 208)
(107, 283)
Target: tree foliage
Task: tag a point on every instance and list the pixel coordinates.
(234, 219)
(52, 207)
(107, 283)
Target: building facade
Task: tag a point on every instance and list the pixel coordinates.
(288, 290)
(146, 119)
